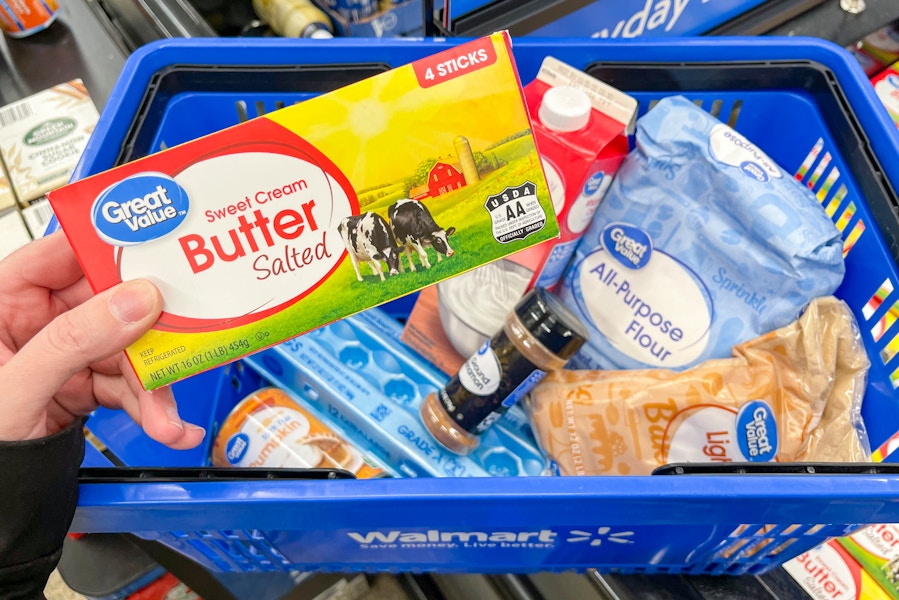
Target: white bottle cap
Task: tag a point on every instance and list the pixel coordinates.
(565, 108)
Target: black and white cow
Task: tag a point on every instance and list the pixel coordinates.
(368, 238)
(416, 229)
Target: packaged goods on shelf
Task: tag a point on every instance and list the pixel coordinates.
(876, 549)
(828, 572)
(42, 138)
(886, 84)
(7, 198)
(13, 233)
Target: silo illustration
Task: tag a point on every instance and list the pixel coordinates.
(466, 159)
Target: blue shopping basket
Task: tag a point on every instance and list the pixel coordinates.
(805, 102)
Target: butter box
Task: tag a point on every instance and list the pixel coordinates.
(828, 572)
(876, 548)
(290, 221)
(886, 85)
(42, 138)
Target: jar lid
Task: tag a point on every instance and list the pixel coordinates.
(552, 323)
(565, 108)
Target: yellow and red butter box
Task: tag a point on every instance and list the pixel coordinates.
(271, 228)
(876, 549)
(886, 85)
(828, 572)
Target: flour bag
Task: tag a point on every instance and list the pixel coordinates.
(701, 243)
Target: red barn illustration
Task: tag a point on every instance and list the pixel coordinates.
(446, 176)
(443, 178)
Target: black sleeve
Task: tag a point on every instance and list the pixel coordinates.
(38, 495)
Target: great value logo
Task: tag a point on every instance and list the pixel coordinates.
(237, 447)
(139, 208)
(731, 148)
(592, 185)
(757, 431)
(630, 246)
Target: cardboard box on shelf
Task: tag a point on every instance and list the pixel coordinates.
(13, 233)
(882, 45)
(261, 232)
(42, 138)
(869, 64)
(37, 216)
(7, 198)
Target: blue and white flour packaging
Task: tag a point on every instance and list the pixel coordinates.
(701, 243)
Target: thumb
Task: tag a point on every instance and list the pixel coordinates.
(99, 328)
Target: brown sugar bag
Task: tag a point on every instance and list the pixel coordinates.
(791, 395)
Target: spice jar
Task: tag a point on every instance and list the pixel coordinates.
(538, 336)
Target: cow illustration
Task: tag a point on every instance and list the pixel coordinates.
(369, 238)
(416, 229)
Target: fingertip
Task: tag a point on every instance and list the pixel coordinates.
(165, 432)
(160, 420)
(191, 437)
(135, 301)
(194, 435)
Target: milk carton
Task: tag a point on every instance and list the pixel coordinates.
(580, 125)
(287, 222)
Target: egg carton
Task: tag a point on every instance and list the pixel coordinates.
(358, 373)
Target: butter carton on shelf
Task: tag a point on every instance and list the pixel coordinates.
(886, 86)
(271, 228)
(42, 138)
(876, 548)
(828, 572)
